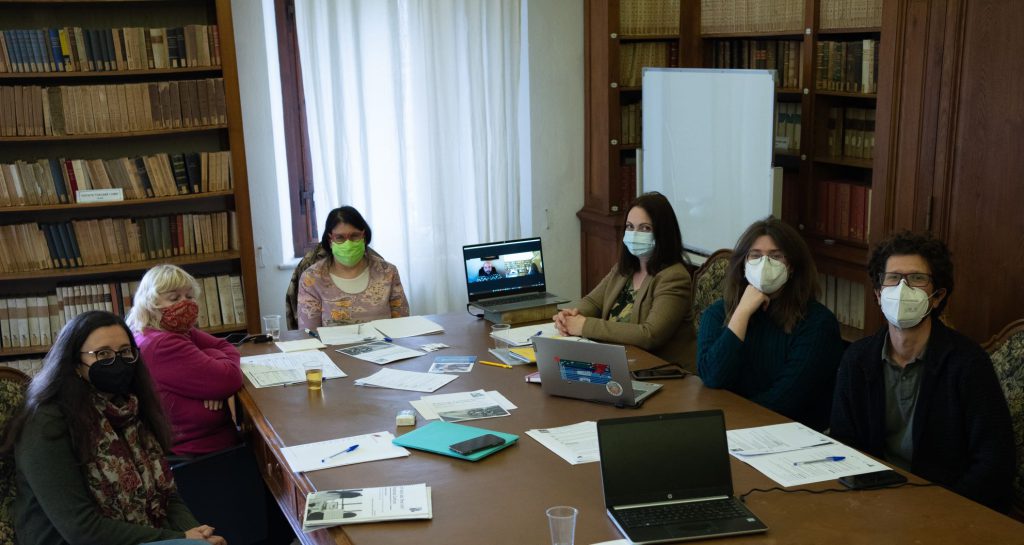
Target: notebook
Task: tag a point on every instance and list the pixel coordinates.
(589, 371)
(437, 436)
(504, 276)
(666, 478)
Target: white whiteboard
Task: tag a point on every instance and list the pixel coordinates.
(707, 137)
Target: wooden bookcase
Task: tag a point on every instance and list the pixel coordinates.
(791, 33)
(210, 137)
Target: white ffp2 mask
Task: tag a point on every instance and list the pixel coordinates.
(766, 274)
(903, 305)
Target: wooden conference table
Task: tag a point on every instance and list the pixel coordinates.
(501, 499)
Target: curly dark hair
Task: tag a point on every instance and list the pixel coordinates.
(933, 250)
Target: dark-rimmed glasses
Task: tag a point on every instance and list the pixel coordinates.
(914, 280)
(105, 356)
(339, 238)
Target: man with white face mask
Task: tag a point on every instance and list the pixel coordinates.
(918, 394)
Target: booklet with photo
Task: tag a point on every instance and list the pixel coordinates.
(357, 505)
(452, 364)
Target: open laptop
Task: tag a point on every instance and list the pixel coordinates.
(504, 276)
(589, 371)
(666, 478)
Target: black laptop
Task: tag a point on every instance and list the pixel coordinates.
(666, 478)
(504, 276)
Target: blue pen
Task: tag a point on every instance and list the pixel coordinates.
(312, 333)
(825, 459)
(349, 449)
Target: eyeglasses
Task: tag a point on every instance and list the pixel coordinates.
(915, 280)
(754, 255)
(354, 237)
(105, 356)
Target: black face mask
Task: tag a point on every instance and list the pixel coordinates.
(114, 378)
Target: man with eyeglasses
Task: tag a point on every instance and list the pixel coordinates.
(918, 394)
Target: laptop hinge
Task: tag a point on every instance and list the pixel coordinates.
(670, 502)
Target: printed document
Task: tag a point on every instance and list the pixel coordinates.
(405, 380)
(380, 352)
(355, 505)
(522, 336)
(575, 443)
(342, 452)
(348, 334)
(776, 438)
(286, 368)
(462, 406)
(812, 465)
(299, 345)
(409, 326)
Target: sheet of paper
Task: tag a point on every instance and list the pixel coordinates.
(355, 505)
(776, 438)
(409, 326)
(790, 468)
(452, 364)
(462, 406)
(286, 368)
(301, 344)
(575, 443)
(335, 452)
(348, 334)
(380, 352)
(406, 380)
(521, 336)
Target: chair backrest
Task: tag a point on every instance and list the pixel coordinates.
(12, 392)
(291, 298)
(1007, 352)
(708, 283)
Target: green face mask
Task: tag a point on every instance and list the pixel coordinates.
(348, 253)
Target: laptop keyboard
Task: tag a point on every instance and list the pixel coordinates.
(660, 515)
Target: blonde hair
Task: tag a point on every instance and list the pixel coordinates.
(159, 279)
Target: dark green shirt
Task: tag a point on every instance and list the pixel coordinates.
(902, 384)
(54, 505)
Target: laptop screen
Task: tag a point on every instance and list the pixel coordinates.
(664, 457)
(495, 269)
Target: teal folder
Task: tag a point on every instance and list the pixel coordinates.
(437, 436)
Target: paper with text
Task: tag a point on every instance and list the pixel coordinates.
(286, 368)
(409, 326)
(338, 452)
(575, 443)
(348, 334)
(775, 438)
(405, 380)
(380, 352)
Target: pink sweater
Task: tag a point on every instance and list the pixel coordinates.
(187, 370)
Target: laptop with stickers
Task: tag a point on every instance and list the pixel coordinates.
(589, 371)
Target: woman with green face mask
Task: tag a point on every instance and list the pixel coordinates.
(353, 284)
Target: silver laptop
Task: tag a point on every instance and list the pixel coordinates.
(667, 478)
(504, 276)
(589, 371)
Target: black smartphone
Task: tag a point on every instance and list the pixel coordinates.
(476, 444)
(875, 479)
(658, 373)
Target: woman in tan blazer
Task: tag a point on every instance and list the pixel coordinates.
(645, 299)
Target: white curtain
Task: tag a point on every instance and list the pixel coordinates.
(412, 113)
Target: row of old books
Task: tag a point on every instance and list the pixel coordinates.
(836, 14)
(648, 17)
(35, 321)
(844, 210)
(850, 133)
(632, 129)
(787, 125)
(29, 366)
(85, 243)
(57, 181)
(74, 49)
(849, 67)
(633, 57)
(783, 56)
(32, 110)
(845, 298)
(732, 16)
(627, 181)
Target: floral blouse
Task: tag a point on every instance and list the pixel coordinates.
(321, 302)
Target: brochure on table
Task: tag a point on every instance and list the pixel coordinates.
(286, 368)
(380, 352)
(357, 505)
(462, 406)
(575, 443)
(413, 381)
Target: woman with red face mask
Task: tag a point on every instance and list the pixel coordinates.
(194, 372)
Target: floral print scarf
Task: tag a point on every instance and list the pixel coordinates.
(128, 475)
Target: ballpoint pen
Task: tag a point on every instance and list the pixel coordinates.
(349, 449)
(825, 459)
(312, 333)
(496, 364)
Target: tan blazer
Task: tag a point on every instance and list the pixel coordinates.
(661, 322)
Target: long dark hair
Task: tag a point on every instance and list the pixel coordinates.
(789, 305)
(668, 241)
(59, 383)
(345, 214)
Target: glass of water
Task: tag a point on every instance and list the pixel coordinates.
(272, 326)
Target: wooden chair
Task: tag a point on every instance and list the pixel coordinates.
(12, 392)
(291, 298)
(708, 283)
(1007, 352)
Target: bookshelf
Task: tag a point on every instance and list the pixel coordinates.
(140, 103)
(824, 125)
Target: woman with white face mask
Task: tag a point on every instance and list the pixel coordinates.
(769, 339)
(645, 299)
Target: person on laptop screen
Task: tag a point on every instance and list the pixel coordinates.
(645, 299)
(488, 272)
(769, 339)
(353, 284)
(917, 393)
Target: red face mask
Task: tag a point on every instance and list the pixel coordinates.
(180, 316)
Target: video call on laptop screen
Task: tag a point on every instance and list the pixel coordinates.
(503, 268)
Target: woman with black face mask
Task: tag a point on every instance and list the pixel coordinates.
(89, 446)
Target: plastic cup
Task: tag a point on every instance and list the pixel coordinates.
(314, 375)
(272, 326)
(562, 520)
(499, 329)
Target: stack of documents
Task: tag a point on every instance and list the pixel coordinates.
(792, 454)
(378, 330)
(406, 380)
(463, 406)
(342, 452)
(575, 443)
(285, 368)
(356, 505)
